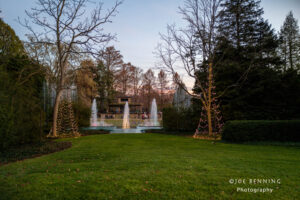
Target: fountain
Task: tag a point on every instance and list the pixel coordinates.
(94, 117)
(153, 115)
(152, 123)
(126, 123)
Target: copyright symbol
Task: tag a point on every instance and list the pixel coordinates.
(231, 181)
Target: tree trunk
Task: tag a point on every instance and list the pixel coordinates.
(210, 133)
(55, 112)
(209, 100)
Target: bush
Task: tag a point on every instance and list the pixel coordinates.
(21, 100)
(182, 119)
(21, 111)
(262, 130)
(82, 114)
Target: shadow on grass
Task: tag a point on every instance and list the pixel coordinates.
(162, 131)
(219, 139)
(32, 150)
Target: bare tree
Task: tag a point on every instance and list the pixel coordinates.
(112, 61)
(163, 83)
(192, 49)
(124, 77)
(65, 25)
(136, 81)
(148, 86)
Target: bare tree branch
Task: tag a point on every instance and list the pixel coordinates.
(64, 34)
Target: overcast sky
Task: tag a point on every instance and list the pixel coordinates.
(139, 23)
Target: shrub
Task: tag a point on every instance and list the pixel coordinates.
(262, 130)
(21, 110)
(82, 114)
(182, 119)
(21, 81)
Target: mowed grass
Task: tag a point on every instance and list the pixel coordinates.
(152, 166)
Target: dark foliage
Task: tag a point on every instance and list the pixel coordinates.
(266, 94)
(32, 150)
(262, 130)
(21, 81)
(21, 111)
(289, 43)
(82, 114)
(247, 67)
(180, 119)
(10, 44)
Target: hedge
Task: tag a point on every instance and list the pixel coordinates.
(22, 118)
(262, 130)
(180, 120)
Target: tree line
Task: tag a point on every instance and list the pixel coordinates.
(74, 50)
(236, 59)
(70, 51)
(108, 77)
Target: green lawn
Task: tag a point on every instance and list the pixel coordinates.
(152, 166)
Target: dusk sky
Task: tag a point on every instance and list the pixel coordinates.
(139, 23)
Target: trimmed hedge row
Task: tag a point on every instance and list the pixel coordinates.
(262, 130)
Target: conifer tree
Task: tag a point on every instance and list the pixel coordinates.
(290, 43)
(246, 54)
(238, 20)
(66, 123)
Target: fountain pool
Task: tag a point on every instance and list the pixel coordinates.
(152, 123)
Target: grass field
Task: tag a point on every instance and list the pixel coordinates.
(152, 166)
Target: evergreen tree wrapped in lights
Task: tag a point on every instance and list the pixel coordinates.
(66, 123)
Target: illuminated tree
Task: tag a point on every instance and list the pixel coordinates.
(66, 123)
(193, 47)
(216, 117)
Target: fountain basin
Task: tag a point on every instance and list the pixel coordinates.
(151, 124)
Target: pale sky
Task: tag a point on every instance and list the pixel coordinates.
(139, 23)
